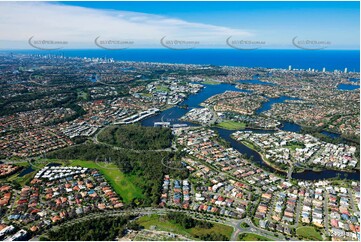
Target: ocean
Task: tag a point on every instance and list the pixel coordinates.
(300, 59)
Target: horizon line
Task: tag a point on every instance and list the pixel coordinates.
(158, 48)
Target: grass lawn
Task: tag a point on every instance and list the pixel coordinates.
(122, 184)
(162, 88)
(308, 232)
(256, 221)
(248, 144)
(244, 225)
(147, 94)
(83, 95)
(252, 237)
(165, 225)
(232, 125)
(293, 147)
(210, 82)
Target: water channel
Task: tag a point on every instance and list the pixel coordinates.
(173, 115)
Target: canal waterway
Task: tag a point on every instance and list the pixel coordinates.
(347, 87)
(173, 115)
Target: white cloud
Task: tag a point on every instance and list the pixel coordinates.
(79, 26)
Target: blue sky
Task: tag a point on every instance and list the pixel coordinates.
(210, 23)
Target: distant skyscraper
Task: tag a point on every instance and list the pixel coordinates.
(323, 69)
(345, 71)
(289, 67)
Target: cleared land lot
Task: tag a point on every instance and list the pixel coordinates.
(161, 223)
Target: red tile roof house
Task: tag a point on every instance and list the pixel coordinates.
(101, 206)
(118, 205)
(185, 205)
(23, 201)
(55, 219)
(5, 188)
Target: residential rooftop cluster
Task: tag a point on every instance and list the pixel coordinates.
(231, 183)
(130, 109)
(5, 195)
(200, 115)
(225, 181)
(252, 121)
(96, 93)
(285, 207)
(10, 233)
(175, 193)
(320, 102)
(170, 90)
(55, 172)
(46, 92)
(32, 142)
(50, 102)
(286, 148)
(41, 102)
(56, 194)
(344, 217)
(318, 116)
(334, 210)
(33, 132)
(36, 118)
(8, 169)
(239, 102)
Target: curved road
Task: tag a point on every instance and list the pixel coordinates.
(234, 223)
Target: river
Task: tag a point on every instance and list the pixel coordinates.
(268, 105)
(173, 115)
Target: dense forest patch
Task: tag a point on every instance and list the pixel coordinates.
(97, 229)
(136, 137)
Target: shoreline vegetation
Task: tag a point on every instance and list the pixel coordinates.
(267, 162)
(271, 164)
